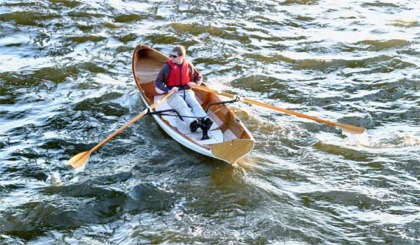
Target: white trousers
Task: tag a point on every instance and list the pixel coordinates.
(185, 103)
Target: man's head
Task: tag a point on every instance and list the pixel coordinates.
(178, 54)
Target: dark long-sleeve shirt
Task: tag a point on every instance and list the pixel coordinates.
(163, 75)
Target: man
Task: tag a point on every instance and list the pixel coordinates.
(179, 75)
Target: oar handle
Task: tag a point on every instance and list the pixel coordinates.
(345, 127)
(144, 112)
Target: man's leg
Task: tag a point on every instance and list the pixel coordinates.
(193, 103)
(178, 103)
(205, 122)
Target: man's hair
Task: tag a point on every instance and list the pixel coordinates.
(180, 50)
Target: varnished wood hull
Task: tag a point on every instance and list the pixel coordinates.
(230, 139)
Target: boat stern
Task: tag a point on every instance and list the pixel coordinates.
(231, 151)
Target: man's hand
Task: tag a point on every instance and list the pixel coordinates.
(174, 89)
(191, 84)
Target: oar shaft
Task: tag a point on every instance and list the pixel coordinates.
(254, 102)
(346, 127)
(298, 114)
(144, 112)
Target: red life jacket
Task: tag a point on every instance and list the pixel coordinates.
(177, 76)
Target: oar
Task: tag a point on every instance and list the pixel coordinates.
(81, 159)
(345, 127)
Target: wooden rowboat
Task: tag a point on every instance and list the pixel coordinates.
(229, 138)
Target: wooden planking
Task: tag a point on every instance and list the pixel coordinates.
(149, 67)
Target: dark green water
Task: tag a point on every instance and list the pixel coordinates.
(66, 83)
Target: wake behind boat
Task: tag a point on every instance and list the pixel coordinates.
(229, 139)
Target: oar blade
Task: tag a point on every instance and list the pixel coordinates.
(350, 128)
(79, 160)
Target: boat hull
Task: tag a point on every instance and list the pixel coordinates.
(229, 139)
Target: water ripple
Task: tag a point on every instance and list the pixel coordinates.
(66, 83)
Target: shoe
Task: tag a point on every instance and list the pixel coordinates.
(194, 125)
(206, 124)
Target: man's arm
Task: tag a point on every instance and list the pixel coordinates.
(161, 78)
(195, 75)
